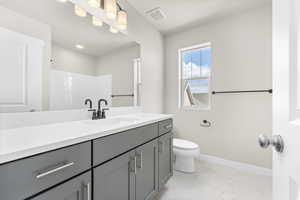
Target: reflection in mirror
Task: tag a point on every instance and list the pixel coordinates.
(58, 60)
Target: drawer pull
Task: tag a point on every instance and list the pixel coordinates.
(140, 160)
(160, 147)
(56, 169)
(88, 191)
(169, 126)
(133, 164)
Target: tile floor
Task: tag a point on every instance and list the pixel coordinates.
(217, 182)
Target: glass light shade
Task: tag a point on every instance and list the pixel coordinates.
(79, 46)
(113, 30)
(97, 21)
(110, 7)
(122, 20)
(80, 11)
(94, 3)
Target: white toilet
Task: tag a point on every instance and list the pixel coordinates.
(185, 153)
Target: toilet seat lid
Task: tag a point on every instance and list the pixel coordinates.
(184, 144)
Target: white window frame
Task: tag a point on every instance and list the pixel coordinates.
(180, 92)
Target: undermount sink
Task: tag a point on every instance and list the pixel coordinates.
(111, 121)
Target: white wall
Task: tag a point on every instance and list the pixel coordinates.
(73, 61)
(241, 60)
(119, 64)
(22, 24)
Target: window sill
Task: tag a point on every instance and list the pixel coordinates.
(190, 108)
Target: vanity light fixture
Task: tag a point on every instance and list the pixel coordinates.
(122, 20)
(79, 11)
(113, 29)
(95, 3)
(117, 17)
(110, 7)
(79, 46)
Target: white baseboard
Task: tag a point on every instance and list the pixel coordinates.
(237, 165)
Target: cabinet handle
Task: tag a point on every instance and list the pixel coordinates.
(160, 147)
(168, 126)
(88, 191)
(58, 168)
(140, 160)
(133, 164)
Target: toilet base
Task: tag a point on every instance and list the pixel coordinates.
(185, 160)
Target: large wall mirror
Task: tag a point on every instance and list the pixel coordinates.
(55, 60)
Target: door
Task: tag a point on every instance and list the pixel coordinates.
(286, 101)
(21, 71)
(147, 171)
(165, 158)
(115, 180)
(76, 189)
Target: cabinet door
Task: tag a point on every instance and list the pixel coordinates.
(147, 171)
(165, 155)
(76, 189)
(115, 180)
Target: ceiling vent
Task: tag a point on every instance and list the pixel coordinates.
(156, 14)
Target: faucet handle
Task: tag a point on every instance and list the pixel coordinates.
(103, 112)
(94, 113)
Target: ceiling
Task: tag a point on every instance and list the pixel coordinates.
(181, 14)
(69, 30)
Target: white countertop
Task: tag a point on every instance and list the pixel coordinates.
(27, 141)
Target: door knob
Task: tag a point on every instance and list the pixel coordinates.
(276, 141)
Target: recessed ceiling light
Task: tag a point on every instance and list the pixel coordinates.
(79, 46)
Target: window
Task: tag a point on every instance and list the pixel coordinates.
(194, 79)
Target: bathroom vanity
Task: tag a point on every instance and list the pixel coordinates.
(117, 159)
(56, 67)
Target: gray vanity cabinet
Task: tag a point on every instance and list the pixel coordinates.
(130, 165)
(147, 171)
(115, 180)
(79, 188)
(165, 155)
(132, 176)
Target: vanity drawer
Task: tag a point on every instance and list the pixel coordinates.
(111, 146)
(24, 178)
(165, 126)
